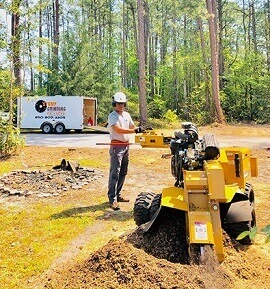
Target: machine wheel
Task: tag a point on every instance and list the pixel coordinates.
(60, 128)
(47, 128)
(250, 193)
(141, 210)
(155, 205)
(235, 229)
(200, 254)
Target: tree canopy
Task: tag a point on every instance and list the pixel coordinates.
(159, 52)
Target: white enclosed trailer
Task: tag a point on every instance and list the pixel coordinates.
(56, 114)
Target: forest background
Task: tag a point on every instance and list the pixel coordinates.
(161, 53)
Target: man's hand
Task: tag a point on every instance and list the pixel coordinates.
(139, 129)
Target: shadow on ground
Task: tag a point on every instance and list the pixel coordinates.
(107, 213)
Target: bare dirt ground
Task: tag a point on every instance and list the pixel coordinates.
(125, 262)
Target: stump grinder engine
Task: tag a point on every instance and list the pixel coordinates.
(210, 187)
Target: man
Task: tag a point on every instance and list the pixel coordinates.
(120, 125)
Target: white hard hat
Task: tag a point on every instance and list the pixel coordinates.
(120, 97)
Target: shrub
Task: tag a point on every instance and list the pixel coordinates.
(10, 139)
(170, 116)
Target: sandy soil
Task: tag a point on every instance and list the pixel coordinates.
(124, 262)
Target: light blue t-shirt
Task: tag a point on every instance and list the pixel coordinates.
(123, 120)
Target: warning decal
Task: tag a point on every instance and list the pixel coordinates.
(200, 230)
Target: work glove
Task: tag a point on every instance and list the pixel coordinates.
(139, 129)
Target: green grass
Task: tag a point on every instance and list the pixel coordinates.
(8, 166)
(94, 163)
(32, 237)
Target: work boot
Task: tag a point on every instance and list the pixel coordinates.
(115, 206)
(122, 199)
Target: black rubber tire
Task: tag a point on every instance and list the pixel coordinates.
(60, 128)
(250, 193)
(155, 205)
(47, 128)
(141, 210)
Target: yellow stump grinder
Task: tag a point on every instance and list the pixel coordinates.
(210, 188)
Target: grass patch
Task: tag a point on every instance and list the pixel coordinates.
(31, 238)
(94, 163)
(8, 165)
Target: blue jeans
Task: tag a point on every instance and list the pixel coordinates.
(118, 170)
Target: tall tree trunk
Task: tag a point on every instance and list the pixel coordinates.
(253, 25)
(244, 25)
(146, 31)
(267, 33)
(40, 75)
(206, 63)
(32, 81)
(174, 68)
(249, 26)
(16, 42)
(124, 56)
(186, 71)
(110, 48)
(56, 35)
(142, 57)
(214, 63)
(220, 42)
(151, 65)
(133, 12)
(48, 34)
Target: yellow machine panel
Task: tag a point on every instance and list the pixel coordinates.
(195, 180)
(254, 166)
(216, 183)
(238, 165)
(173, 197)
(151, 139)
(200, 228)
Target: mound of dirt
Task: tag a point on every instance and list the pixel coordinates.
(156, 259)
(120, 265)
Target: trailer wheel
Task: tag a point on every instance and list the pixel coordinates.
(60, 128)
(141, 210)
(47, 127)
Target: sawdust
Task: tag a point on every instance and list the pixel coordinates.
(121, 265)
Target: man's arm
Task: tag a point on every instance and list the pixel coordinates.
(119, 129)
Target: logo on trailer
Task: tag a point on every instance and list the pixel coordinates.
(41, 106)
